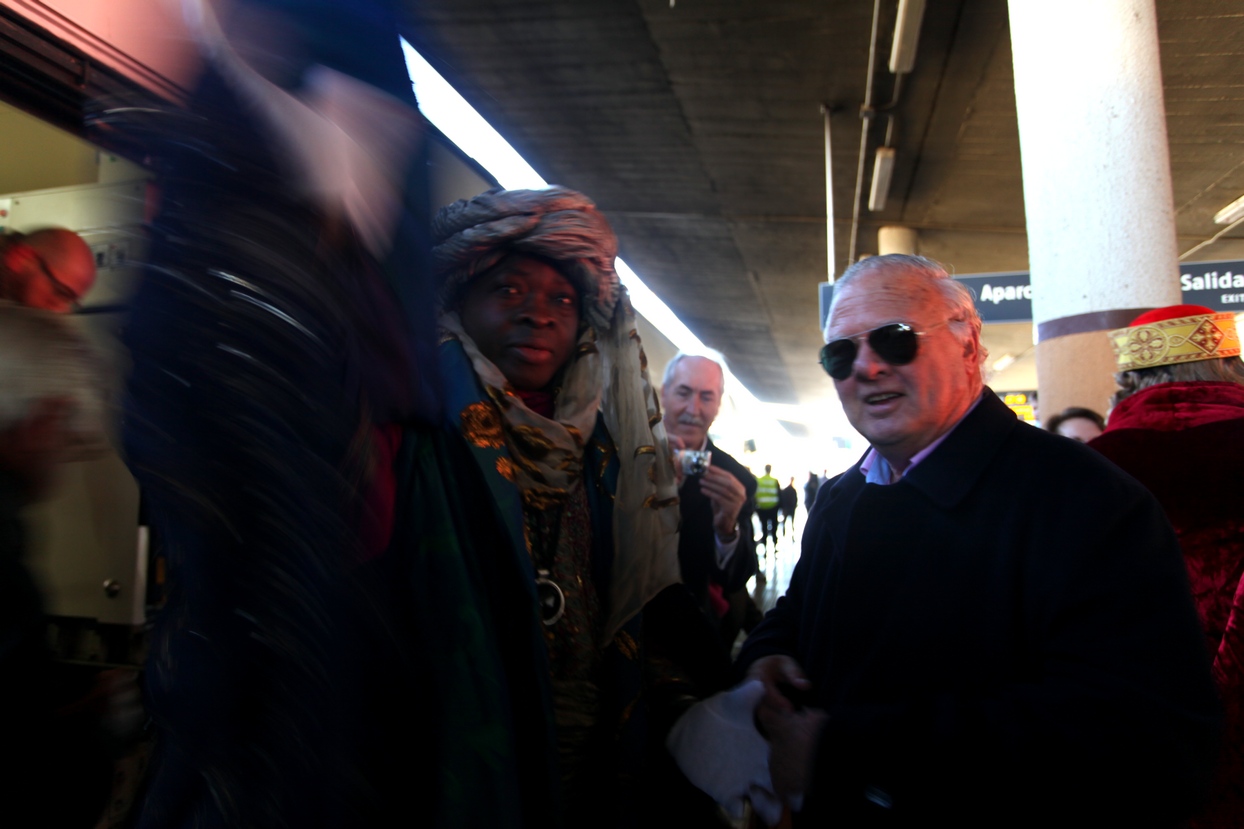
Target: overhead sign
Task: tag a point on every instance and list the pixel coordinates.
(1023, 403)
(1218, 285)
(1001, 297)
(1007, 297)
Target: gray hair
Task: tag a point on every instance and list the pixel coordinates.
(1221, 370)
(965, 321)
(42, 357)
(709, 354)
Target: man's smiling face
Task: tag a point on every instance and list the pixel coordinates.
(691, 399)
(902, 409)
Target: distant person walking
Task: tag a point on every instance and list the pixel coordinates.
(767, 505)
(788, 502)
(810, 490)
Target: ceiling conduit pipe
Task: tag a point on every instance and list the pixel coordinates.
(902, 60)
(866, 115)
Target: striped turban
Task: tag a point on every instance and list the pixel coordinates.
(556, 223)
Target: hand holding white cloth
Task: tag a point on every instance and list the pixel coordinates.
(717, 746)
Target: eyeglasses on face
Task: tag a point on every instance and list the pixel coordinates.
(897, 343)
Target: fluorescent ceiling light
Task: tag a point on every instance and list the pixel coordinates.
(461, 124)
(883, 172)
(1004, 362)
(1231, 213)
(906, 36)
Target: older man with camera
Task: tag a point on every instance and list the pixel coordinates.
(716, 547)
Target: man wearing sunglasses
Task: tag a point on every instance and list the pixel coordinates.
(988, 625)
(51, 269)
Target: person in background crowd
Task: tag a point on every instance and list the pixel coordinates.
(1180, 410)
(809, 491)
(1077, 423)
(788, 502)
(767, 502)
(50, 269)
(58, 772)
(950, 622)
(540, 526)
(716, 542)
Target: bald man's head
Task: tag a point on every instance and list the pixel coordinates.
(50, 269)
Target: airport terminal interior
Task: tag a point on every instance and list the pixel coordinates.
(745, 154)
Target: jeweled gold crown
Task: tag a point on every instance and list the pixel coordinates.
(1156, 339)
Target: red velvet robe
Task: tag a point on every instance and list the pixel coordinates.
(1185, 442)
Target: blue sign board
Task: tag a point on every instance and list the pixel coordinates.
(1001, 297)
(1007, 297)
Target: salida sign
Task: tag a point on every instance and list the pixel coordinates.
(1007, 297)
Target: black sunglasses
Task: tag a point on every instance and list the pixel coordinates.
(896, 343)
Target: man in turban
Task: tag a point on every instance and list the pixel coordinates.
(543, 518)
(1178, 427)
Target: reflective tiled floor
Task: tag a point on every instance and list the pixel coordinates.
(776, 563)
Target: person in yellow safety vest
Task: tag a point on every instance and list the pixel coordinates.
(767, 505)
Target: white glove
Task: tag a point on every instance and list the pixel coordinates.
(717, 746)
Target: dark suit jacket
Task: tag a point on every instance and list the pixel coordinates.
(697, 551)
(1004, 637)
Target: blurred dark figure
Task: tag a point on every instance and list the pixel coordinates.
(788, 502)
(274, 366)
(810, 490)
(1077, 423)
(57, 771)
(1178, 427)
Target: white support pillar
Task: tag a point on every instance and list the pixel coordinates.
(894, 239)
(1097, 183)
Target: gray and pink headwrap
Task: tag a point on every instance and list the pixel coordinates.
(556, 223)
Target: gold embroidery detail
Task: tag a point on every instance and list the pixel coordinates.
(626, 715)
(505, 468)
(542, 499)
(645, 450)
(482, 426)
(653, 420)
(531, 441)
(504, 398)
(652, 502)
(627, 645)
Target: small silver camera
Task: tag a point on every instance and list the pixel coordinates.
(694, 461)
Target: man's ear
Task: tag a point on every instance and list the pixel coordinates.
(971, 348)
